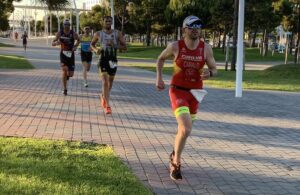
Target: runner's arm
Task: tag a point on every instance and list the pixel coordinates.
(77, 41)
(165, 54)
(94, 42)
(210, 62)
(56, 41)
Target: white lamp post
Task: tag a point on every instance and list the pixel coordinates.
(240, 50)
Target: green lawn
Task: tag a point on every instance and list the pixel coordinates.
(5, 45)
(14, 62)
(141, 52)
(251, 55)
(32, 166)
(281, 77)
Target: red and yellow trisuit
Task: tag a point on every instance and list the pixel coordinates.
(188, 67)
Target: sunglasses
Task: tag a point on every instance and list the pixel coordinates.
(195, 26)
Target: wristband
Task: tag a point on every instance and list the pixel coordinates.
(210, 73)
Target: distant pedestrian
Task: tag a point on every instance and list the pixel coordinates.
(16, 36)
(24, 39)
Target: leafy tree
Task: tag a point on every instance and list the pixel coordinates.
(55, 4)
(6, 8)
(291, 21)
(262, 16)
(150, 12)
(94, 18)
(222, 18)
(200, 8)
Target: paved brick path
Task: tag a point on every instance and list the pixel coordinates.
(249, 145)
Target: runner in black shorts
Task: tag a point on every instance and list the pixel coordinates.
(86, 53)
(66, 38)
(24, 38)
(110, 40)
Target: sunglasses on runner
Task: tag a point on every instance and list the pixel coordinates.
(195, 26)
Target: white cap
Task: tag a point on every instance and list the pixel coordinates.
(67, 22)
(191, 20)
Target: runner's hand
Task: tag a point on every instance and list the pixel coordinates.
(74, 49)
(160, 85)
(205, 75)
(98, 51)
(55, 43)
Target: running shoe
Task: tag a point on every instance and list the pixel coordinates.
(65, 92)
(108, 110)
(175, 172)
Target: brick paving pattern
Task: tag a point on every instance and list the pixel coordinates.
(248, 145)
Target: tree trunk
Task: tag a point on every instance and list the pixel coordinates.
(148, 34)
(291, 43)
(219, 42)
(235, 26)
(298, 38)
(254, 38)
(224, 40)
(297, 49)
(213, 38)
(266, 43)
(261, 48)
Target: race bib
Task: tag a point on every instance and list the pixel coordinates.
(67, 53)
(113, 64)
(198, 94)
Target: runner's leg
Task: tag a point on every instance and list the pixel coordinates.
(64, 69)
(184, 129)
(84, 72)
(105, 87)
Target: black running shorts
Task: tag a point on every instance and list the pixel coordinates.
(86, 56)
(68, 61)
(104, 67)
